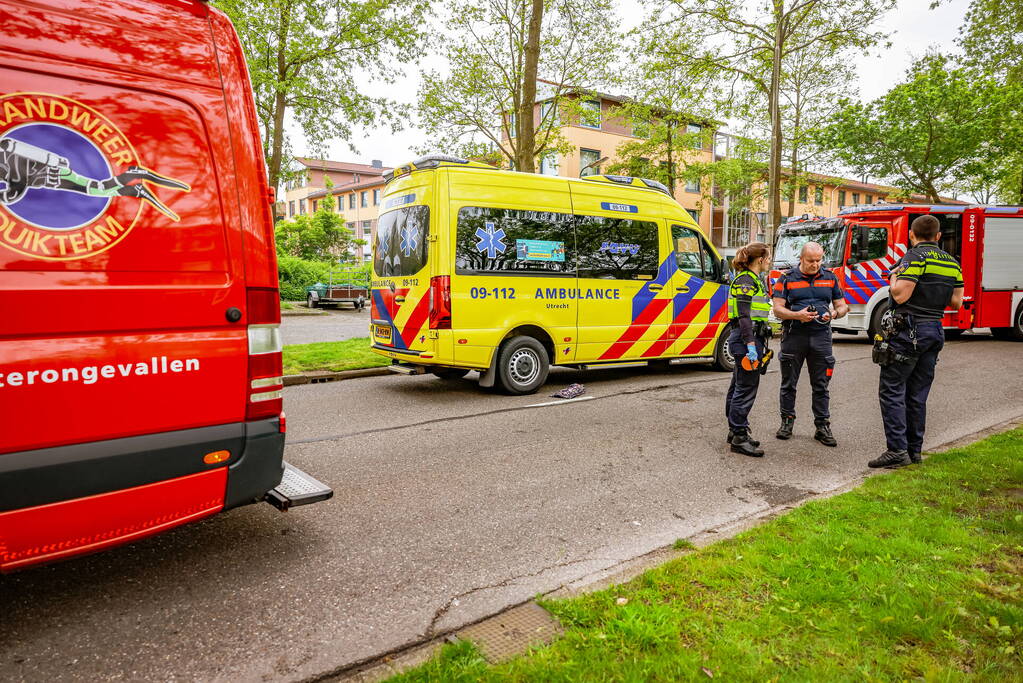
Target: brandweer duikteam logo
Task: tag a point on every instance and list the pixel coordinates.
(71, 183)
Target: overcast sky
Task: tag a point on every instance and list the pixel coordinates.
(916, 28)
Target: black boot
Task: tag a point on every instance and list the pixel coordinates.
(891, 460)
(915, 458)
(742, 444)
(785, 431)
(731, 435)
(824, 435)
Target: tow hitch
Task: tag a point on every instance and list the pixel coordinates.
(297, 488)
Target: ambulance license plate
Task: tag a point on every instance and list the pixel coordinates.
(382, 332)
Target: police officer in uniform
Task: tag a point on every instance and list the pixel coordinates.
(748, 307)
(926, 282)
(807, 299)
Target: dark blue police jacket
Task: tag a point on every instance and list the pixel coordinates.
(801, 291)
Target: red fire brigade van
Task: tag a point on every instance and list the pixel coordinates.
(863, 243)
(140, 356)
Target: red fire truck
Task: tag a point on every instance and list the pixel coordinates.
(863, 243)
(140, 353)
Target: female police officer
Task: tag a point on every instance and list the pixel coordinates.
(748, 307)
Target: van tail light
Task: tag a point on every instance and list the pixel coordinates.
(440, 302)
(265, 381)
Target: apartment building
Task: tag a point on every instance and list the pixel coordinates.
(596, 138)
(355, 192)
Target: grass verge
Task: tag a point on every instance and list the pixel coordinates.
(916, 575)
(350, 354)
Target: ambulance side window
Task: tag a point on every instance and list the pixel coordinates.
(510, 241)
(617, 248)
(691, 254)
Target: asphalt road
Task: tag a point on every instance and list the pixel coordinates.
(334, 325)
(451, 504)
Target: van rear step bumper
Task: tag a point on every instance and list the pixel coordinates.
(297, 488)
(406, 369)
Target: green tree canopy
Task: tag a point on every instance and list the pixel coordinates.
(926, 134)
(307, 58)
(496, 50)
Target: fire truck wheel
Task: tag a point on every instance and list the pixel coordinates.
(875, 320)
(722, 356)
(450, 373)
(522, 365)
(1014, 333)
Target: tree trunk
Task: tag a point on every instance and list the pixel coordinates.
(794, 168)
(671, 162)
(277, 137)
(774, 174)
(525, 128)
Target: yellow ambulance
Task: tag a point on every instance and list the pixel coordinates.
(506, 273)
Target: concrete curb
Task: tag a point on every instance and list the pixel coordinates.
(301, 312)
(319, 376)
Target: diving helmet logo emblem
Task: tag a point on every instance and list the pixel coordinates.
(71, 183)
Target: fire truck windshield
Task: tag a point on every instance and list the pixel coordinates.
(830, 235)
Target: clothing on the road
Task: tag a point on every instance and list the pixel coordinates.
(903, 387)
(936, 274)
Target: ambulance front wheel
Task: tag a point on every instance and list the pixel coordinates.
(522, 365)
(722, 356)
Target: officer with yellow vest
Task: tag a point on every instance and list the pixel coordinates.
(748, 308)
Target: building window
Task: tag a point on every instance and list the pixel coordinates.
(591, 114)
(841, 198)
(291, 208)
(364, 199)
(340, 203)
(351, 227)
(549, 164)
(803, 194)
(301, 206)
(641, 129)
(588, 165)
(511, 124)
(315, 204)
(697, 133)
(376, 197)
(856, 198)
(818, 195)
(351, 201)
(870, 199)
(695, 214)
(545, 111)
(693, 185)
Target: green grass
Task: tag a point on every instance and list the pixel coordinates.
(350, 354)
(683, 544)
(912, 576)
(287, 306)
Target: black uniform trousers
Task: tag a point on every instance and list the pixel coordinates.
(742, 392)
(903, 387)
(814, 347)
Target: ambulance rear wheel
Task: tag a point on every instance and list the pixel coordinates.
(522, 365)
(722, 356)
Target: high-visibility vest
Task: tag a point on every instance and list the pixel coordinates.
(761, 306)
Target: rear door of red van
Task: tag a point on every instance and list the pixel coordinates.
(121, 249)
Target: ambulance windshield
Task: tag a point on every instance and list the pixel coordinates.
(830, 235)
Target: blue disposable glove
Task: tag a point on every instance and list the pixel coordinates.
(751, 352)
